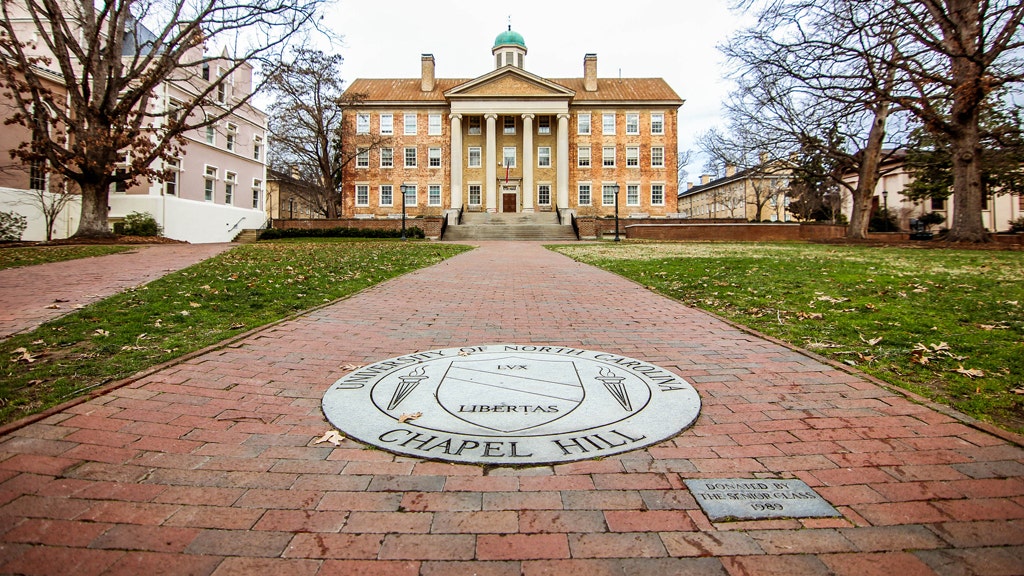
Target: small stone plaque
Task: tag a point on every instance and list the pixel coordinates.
(758, 498)
(511, 404)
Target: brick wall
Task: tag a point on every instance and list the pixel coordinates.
(430, 226)
(662, 229)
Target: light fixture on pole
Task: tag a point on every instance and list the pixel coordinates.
(885, 203)
(615, 189)
(404, 192)
(291, 208)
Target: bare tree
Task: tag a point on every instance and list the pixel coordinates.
(111, 58)
(305, 124)
(50, 199)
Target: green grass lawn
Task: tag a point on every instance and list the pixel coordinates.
(948, 324)
(28, 256)
(244, 288)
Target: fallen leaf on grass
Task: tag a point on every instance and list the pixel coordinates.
(406, 417)
(101, 332)
(870, 342)
(809, 315)
(236, 326)
(866, 357)
(1018, 390)
(332, 436)
(25, 355)
(969, 372)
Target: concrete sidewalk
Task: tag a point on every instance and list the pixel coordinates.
(209, 466)
(32, 295)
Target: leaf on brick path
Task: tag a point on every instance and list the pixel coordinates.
(406, 417)
(969, 372)
(351, 367)
(53, 307)
(332, 436)
(870, 342)
(242, 416)
(101, 332)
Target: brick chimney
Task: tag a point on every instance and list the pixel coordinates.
(427, 73)
(730, 170)
(704, 179)
(590, 72)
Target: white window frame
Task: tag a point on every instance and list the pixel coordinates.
(543, 125)
(433, 157)
(580, 187)
(508, 125)
(230, 136)
(390, 191)
(410, 189)
(657, 152)
(606, 127)
(433, 195)
(173, 167)
(505, 155)
(543, 189)
(633, 123)
(544, 156)
(473, 125)
(362, 195)
(474, 194)
(477, 157)
(632, 194)
(632, 156)
(657, 123)
(387, 124)
(583, 159)
(661, 187)
(230, 183)
(257, 192)
(362, 123)
(583, 123)
(608, 160)
(387, 157)
(434, 125)
(257, 148)
(608, 194)
(409, 124)
(362, 158)
(410, 161)
(211, 134)
(210, 183)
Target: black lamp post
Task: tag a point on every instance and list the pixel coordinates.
(291, 208)
(404, 188)
(615, 189)
(885, 202)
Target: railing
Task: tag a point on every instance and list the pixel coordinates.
(575, 226)
(236, 224)
(444, 226)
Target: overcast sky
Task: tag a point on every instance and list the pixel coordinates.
(671, 39)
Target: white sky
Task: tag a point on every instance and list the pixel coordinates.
(671, 39)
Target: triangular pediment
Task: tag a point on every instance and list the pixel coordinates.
(509, 82)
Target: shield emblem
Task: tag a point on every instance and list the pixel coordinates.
(510, 393)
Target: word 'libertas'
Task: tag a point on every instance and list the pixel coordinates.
(506, 408)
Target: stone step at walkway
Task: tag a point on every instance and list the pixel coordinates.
(522, 226)
(247, 236)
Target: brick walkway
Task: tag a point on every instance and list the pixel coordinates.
(35, 294)
(209, 466)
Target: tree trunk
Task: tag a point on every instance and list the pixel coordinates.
(867, 175)
(965, 146)
(93, 223)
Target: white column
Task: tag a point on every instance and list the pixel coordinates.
(527, 162)
(491, 159)
(456, 167)
(562, 162)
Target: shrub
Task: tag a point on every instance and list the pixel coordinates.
(883, 221)
(138, 224)
(275, 233)
(1017, 224)
(12, 226)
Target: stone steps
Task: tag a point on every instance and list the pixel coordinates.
(536, 226)
(247, 236)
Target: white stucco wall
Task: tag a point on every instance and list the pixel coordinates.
(24, 202)
(189, 220)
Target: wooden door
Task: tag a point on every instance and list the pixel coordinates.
(508, 202)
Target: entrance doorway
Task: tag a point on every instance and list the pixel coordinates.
(509, 198)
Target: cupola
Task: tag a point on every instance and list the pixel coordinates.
(509, 49)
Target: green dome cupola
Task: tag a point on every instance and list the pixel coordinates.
(509, 49)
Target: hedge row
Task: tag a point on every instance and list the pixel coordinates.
(275, 233)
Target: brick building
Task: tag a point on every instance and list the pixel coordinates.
(510, 141)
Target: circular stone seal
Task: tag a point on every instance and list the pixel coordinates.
(511, 404)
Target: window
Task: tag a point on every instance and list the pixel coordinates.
(509, 124)
(583, 124)
(434, 157)
(410, 194)
(474, 194)
(657, 157)
(544, 194)
(362, 195)
(362, 157)
(173, 110)
(230, 179)
(37, 175)
(632, 156)
(387, 124)
(410, 156)
(387, 195)
(363, 123)
(632, 194)
(211, 134)
(257, 148)
(608, 123)
(583, 195)
(387, 158)
(206, 71)
(608, 193)
(474, 156)
(434, 125)
(434, 195)
(410, 124)
(608, 157)
(229, 142)
(210, 187)
(657, 194)
(257, 189)
(657, 123)
(222, 92)
(474, 124)
(938, 203)
(632, 123)
(583, 160)
(544, 125)
(544, 157)
(171, 178)
(508, 156)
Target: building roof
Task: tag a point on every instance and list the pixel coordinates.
(509, 37)
(639, 90)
